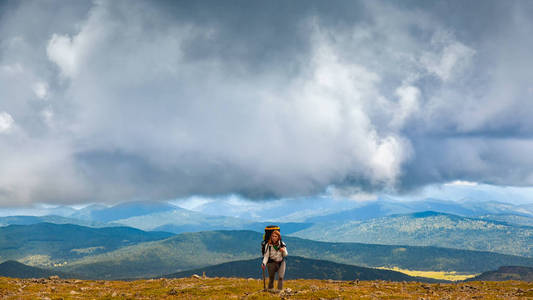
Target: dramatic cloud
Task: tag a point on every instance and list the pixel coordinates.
(119, 100)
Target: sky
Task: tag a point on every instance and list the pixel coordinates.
(111, 101)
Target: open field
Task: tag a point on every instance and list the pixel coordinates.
(238, 288)
(451, 276)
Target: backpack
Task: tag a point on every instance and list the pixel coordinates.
(266, 237)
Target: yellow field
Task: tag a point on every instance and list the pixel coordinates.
(451, 276)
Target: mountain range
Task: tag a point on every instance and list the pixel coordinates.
(119, 252)
(386, 207)
(429, 229)
(194, 250)
(47, 244)
(138, 239)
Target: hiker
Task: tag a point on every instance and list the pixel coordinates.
(274, 259)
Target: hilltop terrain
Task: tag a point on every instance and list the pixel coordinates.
(15, 269)
(506, 273)
(238, 288)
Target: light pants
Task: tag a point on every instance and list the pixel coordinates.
(274, 267)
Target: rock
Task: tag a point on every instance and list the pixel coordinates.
(196, 276)
(114, 294)
(173, 292)
(54, 277)
(250, 279)
(73, 293)
(286, 292)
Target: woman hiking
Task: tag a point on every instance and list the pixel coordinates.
(274, 259)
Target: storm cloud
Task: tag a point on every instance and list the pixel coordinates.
(108, 101)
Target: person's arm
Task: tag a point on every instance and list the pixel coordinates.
(267, 254)
(284, 252)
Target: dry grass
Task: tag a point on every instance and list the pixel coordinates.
(237, 288)
(451, 276)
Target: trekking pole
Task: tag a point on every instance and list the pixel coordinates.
(264, 282)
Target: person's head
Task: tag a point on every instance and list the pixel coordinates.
(275, 237)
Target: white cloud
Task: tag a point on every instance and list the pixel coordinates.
(139, 106)
(12, 68)
(6, 122)
(462, 183)
(387, 159)
(408, 104)
(48, 116)
(61, 51)
(41, 90)
(450, 60)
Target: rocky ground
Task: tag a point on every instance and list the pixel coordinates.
(198, 287)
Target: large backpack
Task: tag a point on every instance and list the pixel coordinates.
(266, 237)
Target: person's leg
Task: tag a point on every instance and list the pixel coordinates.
(272, 268)
(281, 274)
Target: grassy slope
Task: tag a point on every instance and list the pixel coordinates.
(507, 273)
(15, 269)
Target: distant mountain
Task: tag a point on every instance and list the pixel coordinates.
(509, 218)
(46, 244)
(121, 211)
(15, 269)
(506, 273)
(64, 211)
(286, 228)
(86, 212)
(180, 220)
(29, 220)
(364, 212)
(195, 250)
(385, 207)
(429, 229)
(300, 268)
(281, 210)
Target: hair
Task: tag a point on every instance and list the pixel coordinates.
(274, 232)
